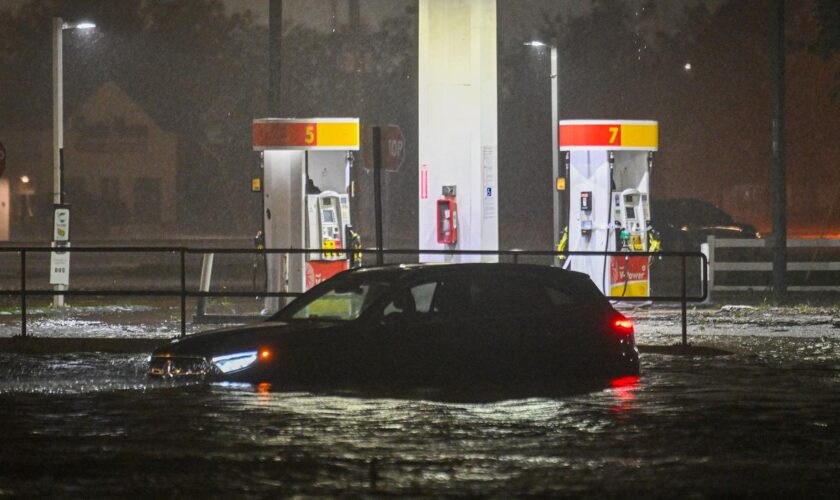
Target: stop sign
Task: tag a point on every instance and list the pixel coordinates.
(2, 159)
(393, 147)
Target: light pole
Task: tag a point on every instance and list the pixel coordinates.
(558, 210)
(60, 237)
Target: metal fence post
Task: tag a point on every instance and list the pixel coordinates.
(183, 292)
(710, 254)
(23, 293)
(683, 303)
(204, 283)
(376, 141)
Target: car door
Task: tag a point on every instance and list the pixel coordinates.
(515, 326)
(574, 328)
(426, 331)
(463, 329)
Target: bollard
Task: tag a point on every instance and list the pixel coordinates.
(183, 292)
(683, 304)
(23, 293)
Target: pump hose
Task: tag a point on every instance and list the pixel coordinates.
(607, 242)
(626, 275)
(564, 240)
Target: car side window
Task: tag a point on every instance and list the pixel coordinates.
(461, 297)
(410, 304)
(559, 297)
(507, 295)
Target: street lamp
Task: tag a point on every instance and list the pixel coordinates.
(58, 26)
(558, 208)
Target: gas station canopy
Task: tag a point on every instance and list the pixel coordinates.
(306, 134)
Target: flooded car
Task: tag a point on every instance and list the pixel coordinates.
(422, 325)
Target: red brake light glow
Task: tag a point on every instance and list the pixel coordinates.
(265, 354)
(623, 325)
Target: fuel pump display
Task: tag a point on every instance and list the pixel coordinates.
(609, 164)
(328, 222)
(629, 275)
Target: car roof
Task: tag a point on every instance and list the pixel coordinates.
(401, 271)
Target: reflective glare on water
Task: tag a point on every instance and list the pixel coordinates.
(763, 422)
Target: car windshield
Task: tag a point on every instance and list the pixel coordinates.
(345, 300)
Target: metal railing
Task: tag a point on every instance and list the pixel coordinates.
(717, 265)
(183, 292)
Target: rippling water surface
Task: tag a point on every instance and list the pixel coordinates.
(765, 421)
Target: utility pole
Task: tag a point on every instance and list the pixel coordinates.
(275, 31)
(58, 148)
(779, 180)
(557, 199)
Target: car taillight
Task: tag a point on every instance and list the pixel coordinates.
(623, 325)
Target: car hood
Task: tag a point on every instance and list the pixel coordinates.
(237, 338)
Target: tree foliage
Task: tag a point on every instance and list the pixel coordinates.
(827, 42)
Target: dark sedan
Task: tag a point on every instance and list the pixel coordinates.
(422, 326)
(685, 223)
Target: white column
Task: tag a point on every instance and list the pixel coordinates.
(458, 120)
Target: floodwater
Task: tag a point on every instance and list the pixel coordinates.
(762, 422)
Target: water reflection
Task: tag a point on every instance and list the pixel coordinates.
(74, 424)
(624, 389)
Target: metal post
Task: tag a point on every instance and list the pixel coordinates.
(183, 292)
(58, 126)
(555, 151)
(275, 28)
(711, 266)
(23, 293)
(377, 191)
(683, 304)
(204, 282)
(779, 182)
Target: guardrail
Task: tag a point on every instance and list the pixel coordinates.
(183, 293)
(717, 266)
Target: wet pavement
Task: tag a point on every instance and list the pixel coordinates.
(760, 422)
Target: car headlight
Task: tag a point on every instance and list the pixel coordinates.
(234, 362)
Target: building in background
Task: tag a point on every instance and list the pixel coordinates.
(119, 173)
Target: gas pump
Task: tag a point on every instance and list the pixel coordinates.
(631, 220)
(328, 221)
(307, 166)
(609, 165)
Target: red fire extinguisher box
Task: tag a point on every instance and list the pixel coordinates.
(447, 221)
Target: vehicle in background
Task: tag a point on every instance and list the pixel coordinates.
(463, 326)
(684, 223)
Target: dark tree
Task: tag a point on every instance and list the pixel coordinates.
(827, 42)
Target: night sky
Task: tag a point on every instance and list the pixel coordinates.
(618, 59)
